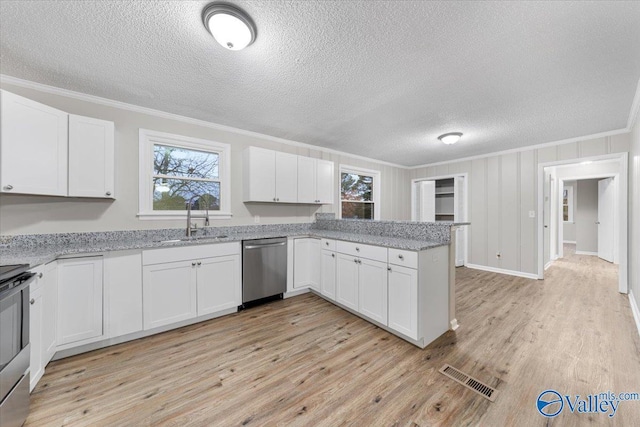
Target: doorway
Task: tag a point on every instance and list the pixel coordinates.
(601, 214)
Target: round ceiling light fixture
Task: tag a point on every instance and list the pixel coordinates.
(450, 138)
(230, 26)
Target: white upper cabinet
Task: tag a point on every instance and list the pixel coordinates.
(33, 147)
(91, 157)
(273, 176)
(315, 180)
(270, 176)
(46, 151)
(286, 178)
(324, 181)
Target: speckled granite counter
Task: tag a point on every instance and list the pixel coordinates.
(40, 249)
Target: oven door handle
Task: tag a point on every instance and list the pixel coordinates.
(11, 292)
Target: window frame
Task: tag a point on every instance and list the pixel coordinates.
(147, 140)
(375, 174)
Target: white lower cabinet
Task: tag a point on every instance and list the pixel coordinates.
(403, 300)
(80, 303)
(217, 284)
(372, 289)
(183, 283)
(123, 292)
(347, 281)
(306, 270)
(42, 319)
(35, 331)
(169, 293)
(328, 263)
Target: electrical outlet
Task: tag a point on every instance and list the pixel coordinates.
(532, 214)
(256, 219)
(498, 255)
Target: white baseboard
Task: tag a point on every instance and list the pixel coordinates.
(573, 242)
(635, 309)
(586, 253)
(503, 271)
(295, 293)
(547, 265)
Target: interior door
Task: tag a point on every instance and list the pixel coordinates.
(606, 201)
(547, 217)
(425, 201)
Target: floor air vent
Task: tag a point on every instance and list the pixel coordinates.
(469, 382)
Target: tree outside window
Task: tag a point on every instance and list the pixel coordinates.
(357, 196)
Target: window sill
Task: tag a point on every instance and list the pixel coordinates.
(162, 216)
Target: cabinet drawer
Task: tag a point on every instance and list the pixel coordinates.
(360, 250)
(187, 253)
(402, 257)
(328, 244)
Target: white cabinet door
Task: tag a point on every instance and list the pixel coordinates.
(169, 293)
(307, 180)
(324, 181)
(91, 157)
(123, 291)
(403, 301)
(49, 311)
(79, 299)
(372, 290)
(328, 274)
(347, 281)
(33, 147)
(306, 259)
(218, 284)
(35, 334)
(259, 175)
(286, 178)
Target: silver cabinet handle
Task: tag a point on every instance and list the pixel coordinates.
(598, 222)
(357, 249)
(199, 263)
(401, 256)
(359, 261)
(333, 255)
(8, 187)
(32, 301)
(355, 260)
(193, 264)
(274, 199)
(40, 276)
(326, 243)
(278, 199)
(389, 268)
(108, 193)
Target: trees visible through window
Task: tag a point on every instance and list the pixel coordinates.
(177, 171)
(357, 195)
(567, 204)
(181, 176)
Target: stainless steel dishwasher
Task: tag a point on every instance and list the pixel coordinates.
(264, 268)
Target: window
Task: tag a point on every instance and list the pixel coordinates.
(176, 170)
(567, 204)
(359, 193)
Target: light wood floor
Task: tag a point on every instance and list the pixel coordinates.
(305, 362)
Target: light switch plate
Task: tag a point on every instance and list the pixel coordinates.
(532, 214)
(256, 219)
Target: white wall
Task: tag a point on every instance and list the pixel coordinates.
(502, 191)
(21, 214)
(586, 216)
(634, 211)
(569, 227)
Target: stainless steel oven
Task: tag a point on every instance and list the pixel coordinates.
(14, 344)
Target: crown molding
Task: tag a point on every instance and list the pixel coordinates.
(15, 81)
(211, 125)
(635, 107)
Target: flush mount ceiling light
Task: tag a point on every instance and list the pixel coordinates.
(230, 26)
(450, 138)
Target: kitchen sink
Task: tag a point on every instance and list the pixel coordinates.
(194, 239)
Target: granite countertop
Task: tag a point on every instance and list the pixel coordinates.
(42, 254)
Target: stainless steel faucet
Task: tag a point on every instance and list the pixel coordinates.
(189, 216)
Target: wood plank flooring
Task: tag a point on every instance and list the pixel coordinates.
(305, 362)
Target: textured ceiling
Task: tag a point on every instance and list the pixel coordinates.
(378, 79)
